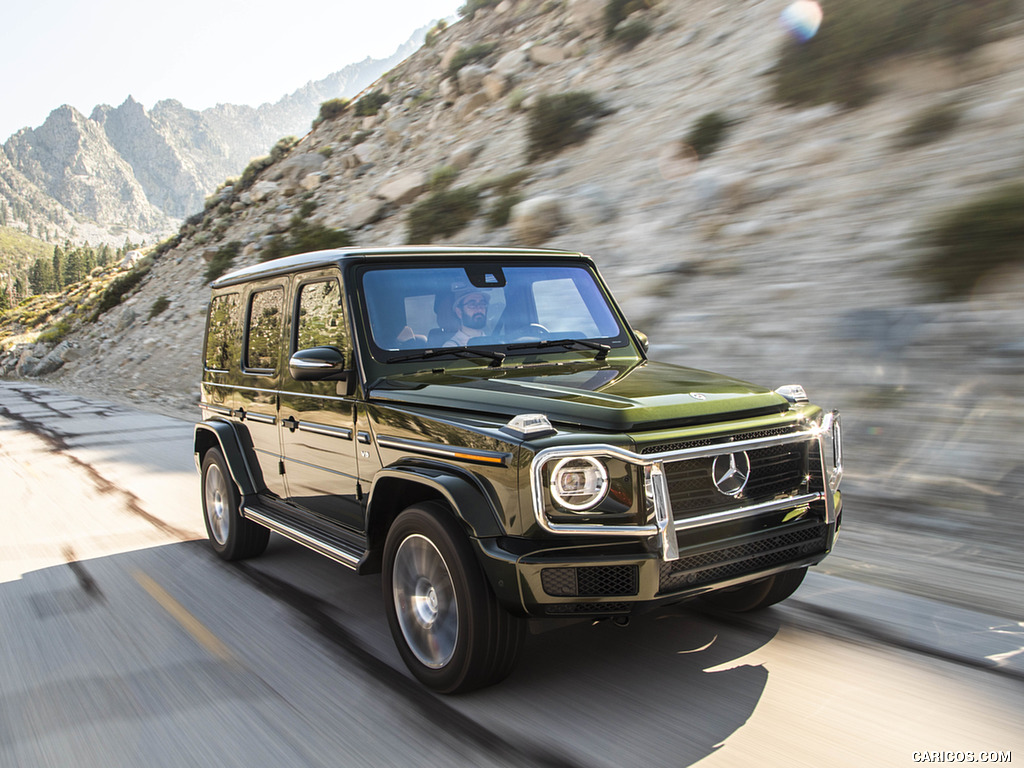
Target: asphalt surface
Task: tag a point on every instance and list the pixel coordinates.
(125, 642)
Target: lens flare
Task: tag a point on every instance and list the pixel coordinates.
(802, 19)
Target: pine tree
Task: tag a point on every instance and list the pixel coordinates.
(58, 267)
(40, 276)
(73, 271)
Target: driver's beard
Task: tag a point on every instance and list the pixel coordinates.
(476, 321)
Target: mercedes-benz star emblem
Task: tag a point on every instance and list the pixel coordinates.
(730, 473)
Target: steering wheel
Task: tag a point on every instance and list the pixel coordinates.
(532, 332)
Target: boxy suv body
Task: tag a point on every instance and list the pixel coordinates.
(484, 428)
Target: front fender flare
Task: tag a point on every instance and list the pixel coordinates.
(469, 501)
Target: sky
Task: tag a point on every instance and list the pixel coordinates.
(200, 52)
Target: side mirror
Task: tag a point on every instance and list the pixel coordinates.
(645, 342)
(317, 364)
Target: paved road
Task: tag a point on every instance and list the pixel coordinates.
(124, 642)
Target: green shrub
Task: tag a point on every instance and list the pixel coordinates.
(371, 103)
(972, 240)
(252, 172)
(435, 32)
(283, 148)
(857, 35)
(468, 55)
(503, 185)
(331, 109)
(559, 120)
(120, 287)
(159, 306)
(616, 11)
(55, 333)
(500, 212)
(442, 214)
(304, 236)
(930, 125)
(632, 33)
(707, 133)
(222, 260)
(515, 99)
(472, 6)
(442, 178)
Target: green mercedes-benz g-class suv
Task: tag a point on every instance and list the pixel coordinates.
(483, 427)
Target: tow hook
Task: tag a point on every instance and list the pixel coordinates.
(620, 621)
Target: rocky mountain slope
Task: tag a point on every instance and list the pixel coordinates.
(792, 253)
(128, 171)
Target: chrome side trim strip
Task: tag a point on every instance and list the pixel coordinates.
(317, 545)
(323, 429)
(247, 389)
(494, 458)
(221, 409)
(262, 418)
(276, 391)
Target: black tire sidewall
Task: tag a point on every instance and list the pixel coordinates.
(244, 538)
(433, 522)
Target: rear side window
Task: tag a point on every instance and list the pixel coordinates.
(263, 331)
(224, 335)
(321, 318)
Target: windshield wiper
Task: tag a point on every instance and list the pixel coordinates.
(427, 354)
(602, 349)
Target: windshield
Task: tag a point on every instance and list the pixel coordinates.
(486, 305)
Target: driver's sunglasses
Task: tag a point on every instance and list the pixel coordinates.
(474, 304)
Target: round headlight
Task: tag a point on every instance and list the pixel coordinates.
(579, 484)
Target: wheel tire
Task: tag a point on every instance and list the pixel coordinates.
(757, 595)
(449, 628)
(231, 535)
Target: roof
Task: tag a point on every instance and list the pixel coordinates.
(308, 261)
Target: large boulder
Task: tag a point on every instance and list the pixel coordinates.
(512, 63)
(464, 155)
(543, 55)
(471, 78)
(403, 188)
(587, 15)
(536, 220)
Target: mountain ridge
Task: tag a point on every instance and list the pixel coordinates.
(128, 171)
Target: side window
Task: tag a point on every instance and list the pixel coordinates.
(224, 334)
(321, 316)
(264, 330)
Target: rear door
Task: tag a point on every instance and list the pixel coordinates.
(256, 396)
(318, 418)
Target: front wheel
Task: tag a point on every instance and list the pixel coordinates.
(231, 535)
(449, 628)
(756, 595)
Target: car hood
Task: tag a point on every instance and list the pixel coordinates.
(613, 397)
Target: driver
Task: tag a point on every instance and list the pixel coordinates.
(470, 308)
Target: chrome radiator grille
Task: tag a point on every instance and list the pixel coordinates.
(777, 471)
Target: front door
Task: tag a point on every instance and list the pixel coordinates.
(318, 429)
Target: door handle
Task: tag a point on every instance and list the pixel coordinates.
(291, 422)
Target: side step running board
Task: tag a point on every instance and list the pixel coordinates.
(326, 545)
